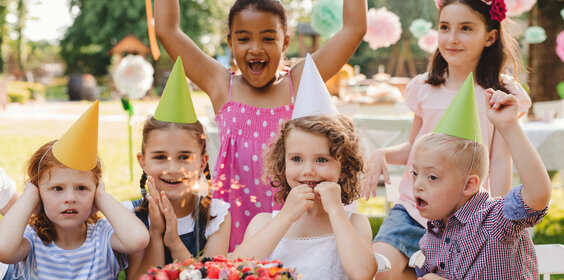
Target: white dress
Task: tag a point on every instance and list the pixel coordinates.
(315, 258)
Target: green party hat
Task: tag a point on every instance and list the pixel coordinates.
(176, 101)
(461, 118)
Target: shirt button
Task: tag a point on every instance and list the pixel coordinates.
(442, 265)
(447, 240)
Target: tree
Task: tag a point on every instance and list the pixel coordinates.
(102, 23)
(546, 69)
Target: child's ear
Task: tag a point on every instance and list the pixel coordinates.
(141, 160)
(286, 42)
(205, 159)
(492, 37)
(472, 185)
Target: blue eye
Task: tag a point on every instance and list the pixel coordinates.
(81, 188)
(57, 188)
(296, 159)
(322, 160)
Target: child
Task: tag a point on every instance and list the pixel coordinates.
(469, 40)
(316, 163)
(173, 155)
(8, 194)
(8, 197)
(250, 106)
(471, 235)
(66, 239)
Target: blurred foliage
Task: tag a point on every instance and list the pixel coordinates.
(551, 228)
(103, 23)
(20, 91)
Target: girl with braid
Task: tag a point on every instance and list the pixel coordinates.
(182, 223)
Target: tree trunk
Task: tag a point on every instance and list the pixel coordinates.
(546, 68)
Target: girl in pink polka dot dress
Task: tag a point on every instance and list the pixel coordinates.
(250, 105)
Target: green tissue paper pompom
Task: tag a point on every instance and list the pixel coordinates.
(562, 13)
(327, 17)
(420, 27)
(560, 89)
(535, 35)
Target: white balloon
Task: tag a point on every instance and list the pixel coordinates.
(133, 76)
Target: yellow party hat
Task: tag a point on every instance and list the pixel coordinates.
(78, 148)
(176, 102)
(461, 118)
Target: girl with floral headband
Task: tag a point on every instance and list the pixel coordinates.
(472, 38)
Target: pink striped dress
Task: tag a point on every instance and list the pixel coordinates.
(244, 132)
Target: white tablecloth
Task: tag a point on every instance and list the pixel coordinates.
(548, 139)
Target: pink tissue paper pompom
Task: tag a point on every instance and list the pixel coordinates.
(429, 42)
(517, 7)
(384, 28)
(560, 45)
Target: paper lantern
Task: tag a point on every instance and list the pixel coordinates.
(420, 27)
(133, 76)
(535, 35)
(560, 45)
(384, 28)
(517, 7)
(429, 42)
(327, 17)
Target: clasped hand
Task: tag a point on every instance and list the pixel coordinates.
(303, 197)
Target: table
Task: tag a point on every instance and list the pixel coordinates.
(548, 139)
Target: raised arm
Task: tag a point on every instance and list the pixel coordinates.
(13, 246)
(130, 234)
(536, 183)
(203, 70)
(501, 167)
(338, 49)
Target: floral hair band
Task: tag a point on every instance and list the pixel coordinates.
(497, 8)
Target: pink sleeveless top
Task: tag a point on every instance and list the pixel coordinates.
(244, 132)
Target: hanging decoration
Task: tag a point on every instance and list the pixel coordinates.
(429, 42)
(517, 7)
(133, 77)
(384, 28)
(535, 35)
(560, 45)
(420, 27)
(562, 13)
(327, 17)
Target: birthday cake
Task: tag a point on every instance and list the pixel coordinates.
(221, 268)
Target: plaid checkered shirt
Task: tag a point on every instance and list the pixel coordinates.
(485, 239)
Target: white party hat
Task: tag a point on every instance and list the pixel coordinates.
(313, 97)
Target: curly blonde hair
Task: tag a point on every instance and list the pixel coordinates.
(44, 156)
(344, 147)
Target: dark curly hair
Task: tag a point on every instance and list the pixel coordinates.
(42, 225)
(494, 58)
(344, 148)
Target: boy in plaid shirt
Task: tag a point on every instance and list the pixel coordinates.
(471, 235)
